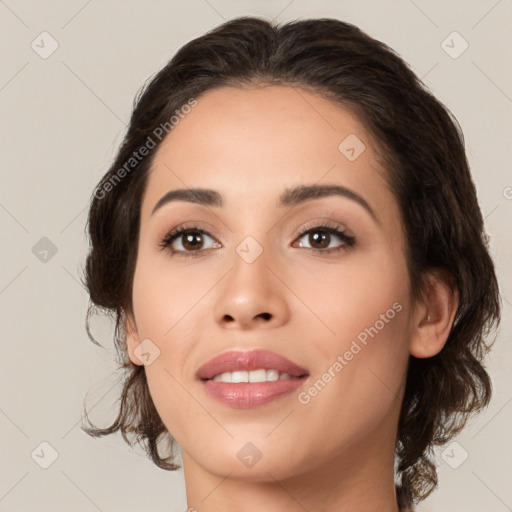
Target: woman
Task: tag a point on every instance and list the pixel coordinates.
(292, 245)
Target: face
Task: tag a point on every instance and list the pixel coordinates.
(319, 279)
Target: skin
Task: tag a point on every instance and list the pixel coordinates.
(335, 453)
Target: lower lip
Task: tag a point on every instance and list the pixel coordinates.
(244, 395)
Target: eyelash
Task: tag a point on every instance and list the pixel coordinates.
(349, 241)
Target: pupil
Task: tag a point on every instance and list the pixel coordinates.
(315, 237)
(189, 241)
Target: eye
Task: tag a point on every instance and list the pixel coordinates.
(191, 239)
(319, 237)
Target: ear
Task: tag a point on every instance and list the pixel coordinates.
(433, 316)
(132, 337)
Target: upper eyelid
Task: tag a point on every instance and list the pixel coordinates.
(315, 223)
(303, 230)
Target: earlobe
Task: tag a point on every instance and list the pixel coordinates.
(132, 337)
(434, 316)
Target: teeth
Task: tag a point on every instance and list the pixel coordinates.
(252, 376)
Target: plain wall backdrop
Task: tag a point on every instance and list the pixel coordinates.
(69, 73)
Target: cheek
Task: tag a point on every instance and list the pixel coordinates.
(346, 296)
(362, 311)
(165, 294)
(358, 387)
(168, 307)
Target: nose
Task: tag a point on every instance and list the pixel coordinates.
(252, 296)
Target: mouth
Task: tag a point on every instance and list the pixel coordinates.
(245, 379)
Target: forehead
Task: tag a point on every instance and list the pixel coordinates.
(251, 143)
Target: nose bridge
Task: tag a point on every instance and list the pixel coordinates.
(251, 292)
(255, 242)
(250, 262)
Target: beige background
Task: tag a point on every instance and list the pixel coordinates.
(62, 118)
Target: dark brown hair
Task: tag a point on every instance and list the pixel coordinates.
(422, 147)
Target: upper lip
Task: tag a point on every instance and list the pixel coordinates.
(238, 360)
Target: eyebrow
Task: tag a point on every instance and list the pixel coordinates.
(290, 197)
